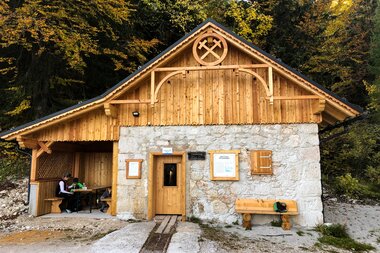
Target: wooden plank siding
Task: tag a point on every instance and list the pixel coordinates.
(46, 189)
(201, 98)
(96, 169)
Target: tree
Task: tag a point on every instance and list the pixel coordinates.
(374, 88)
(49, 50)
(340, 58)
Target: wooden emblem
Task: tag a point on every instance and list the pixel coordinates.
(210, 49)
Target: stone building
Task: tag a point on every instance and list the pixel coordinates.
(209, 120)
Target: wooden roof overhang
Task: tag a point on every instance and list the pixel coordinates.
(332, 107)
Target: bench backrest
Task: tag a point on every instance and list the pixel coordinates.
(263, 205)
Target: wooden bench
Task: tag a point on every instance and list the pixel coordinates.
(55, 202)
(247, 207)
(108, 201)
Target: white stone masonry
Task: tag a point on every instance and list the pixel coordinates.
(295, 150)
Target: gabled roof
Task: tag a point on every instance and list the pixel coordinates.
(19, 129)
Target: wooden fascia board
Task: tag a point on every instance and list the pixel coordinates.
(350, 112)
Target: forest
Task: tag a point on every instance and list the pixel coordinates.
(54, 54)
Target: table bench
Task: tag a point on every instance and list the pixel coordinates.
(108, 201)
(248, 207)
(55, 202)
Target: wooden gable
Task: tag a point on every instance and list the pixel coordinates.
(190, 85)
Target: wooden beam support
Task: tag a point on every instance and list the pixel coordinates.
(338, 114)
(33, 168)
(27, 143)
(319, 106)
(110, 110)
(115, 166)
(45, 148)
(270, 84)
(130, 101)
(219, 67)
(152, 87)
(66, 147)
(305, 97)
(183, 72)
(328, 118)
(261, 80)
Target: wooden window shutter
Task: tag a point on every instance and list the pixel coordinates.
(261, 162)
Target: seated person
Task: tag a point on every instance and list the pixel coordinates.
(106, 194)
(76, 184)
(62, 191)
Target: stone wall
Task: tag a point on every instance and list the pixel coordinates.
(295, 165)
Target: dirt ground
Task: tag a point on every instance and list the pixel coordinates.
(21, 233)
(29, 234)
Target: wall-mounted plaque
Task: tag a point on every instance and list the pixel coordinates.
(167, 151)
(224, 164)
(196, 155)
(133, 168)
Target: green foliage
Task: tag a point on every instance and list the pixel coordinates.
(13, 164)
(374, 87)
(50, 50)
(337, 236)
(194, 219)
(335, 230)
(276, 223)
(348, 185)
(300, 233)
(247, 20)
(345, 243)
(353, 152)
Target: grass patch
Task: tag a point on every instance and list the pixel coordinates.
(300, 233)
(336, 235)
(194, 219)
(276, 223)
(226, 240)
(335, 230)
(345, 243)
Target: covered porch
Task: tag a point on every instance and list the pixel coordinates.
(92, 162)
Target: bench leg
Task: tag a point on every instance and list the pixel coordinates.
(55, 206)
(286, 225)
(247, 221)
(109, 207)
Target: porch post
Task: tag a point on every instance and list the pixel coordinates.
(115, 166)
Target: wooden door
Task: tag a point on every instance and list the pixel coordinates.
(168, 184)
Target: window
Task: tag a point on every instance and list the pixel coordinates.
(170, 174)
(261, 162)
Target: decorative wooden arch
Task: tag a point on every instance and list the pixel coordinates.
(207, 42)
(154, 99)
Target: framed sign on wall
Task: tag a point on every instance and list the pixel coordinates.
(133, 168)
(224, 164)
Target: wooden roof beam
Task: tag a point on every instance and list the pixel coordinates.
(336, 113)
(319, 106)
(27, 143)
(328, 118)
(110, 110)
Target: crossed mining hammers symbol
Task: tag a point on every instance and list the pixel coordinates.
(210, 50)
